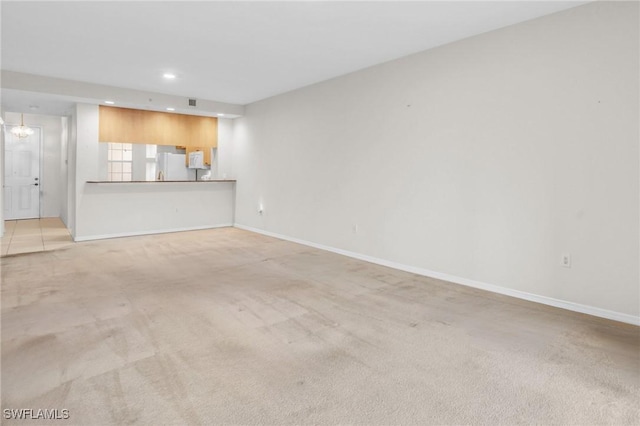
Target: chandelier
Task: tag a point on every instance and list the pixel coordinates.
(22, 131)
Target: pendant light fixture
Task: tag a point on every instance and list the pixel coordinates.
(22, 131)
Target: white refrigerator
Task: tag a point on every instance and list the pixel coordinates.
(173, 167)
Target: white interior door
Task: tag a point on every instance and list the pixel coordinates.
(22, 176)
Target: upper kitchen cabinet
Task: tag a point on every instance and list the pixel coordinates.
(127, 125)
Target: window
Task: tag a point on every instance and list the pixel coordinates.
(152, 151)
(119, 162)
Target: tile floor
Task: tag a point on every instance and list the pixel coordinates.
(32, 235)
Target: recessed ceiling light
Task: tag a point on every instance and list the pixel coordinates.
(109, 102)
(169, 76)
(33, 107)
(220, 115)
(170, 109)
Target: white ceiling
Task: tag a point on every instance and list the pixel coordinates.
(236, 52)
(35, 103)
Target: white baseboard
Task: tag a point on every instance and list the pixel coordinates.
(576, 307)
(151, 232)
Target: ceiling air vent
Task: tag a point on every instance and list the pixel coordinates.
(192, 102)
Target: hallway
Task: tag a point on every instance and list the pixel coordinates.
(34, 235)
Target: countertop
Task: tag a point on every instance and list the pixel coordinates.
(162, 181)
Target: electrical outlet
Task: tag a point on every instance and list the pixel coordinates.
(566, 260)
(354, 228)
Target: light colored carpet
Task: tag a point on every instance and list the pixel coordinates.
(229, 327)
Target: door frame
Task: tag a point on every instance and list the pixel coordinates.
(7, 129)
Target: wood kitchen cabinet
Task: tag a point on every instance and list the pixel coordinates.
(127, 125)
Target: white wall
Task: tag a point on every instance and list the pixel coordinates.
(72, 144)
(87, 164)
(2, 172)
(484, 160)
(117, 209)
(51, 183)
(223, 164)
(64, 170)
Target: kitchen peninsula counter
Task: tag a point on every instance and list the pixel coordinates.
(161, 181)
(117, 209)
